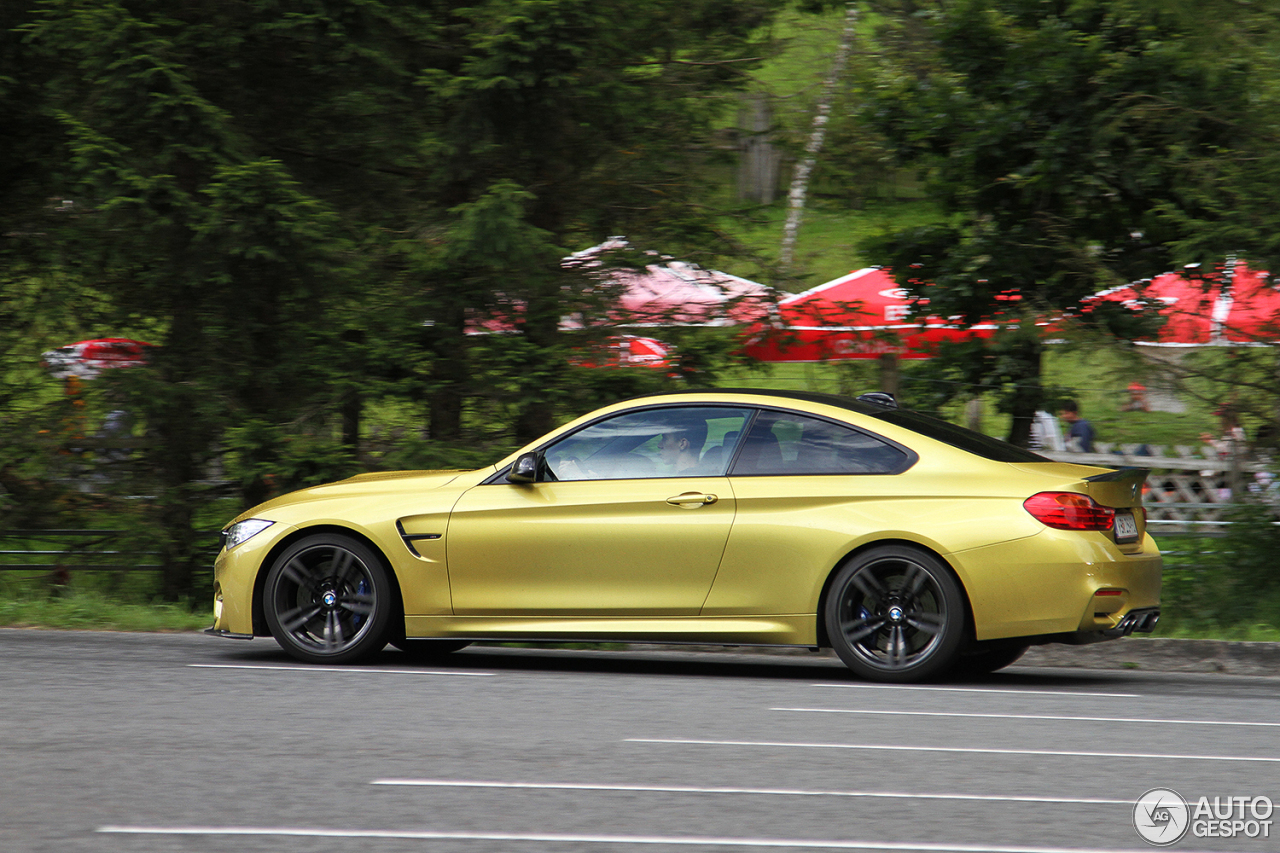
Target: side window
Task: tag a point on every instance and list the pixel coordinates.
(661, 442)
(788, 443)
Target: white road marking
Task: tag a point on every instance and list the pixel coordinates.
(1030, 717)
(588, 838)
(339, 669)
(958, 749)
(775, 792)
(1067, 693)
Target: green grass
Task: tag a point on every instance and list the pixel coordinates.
(827, 245)
(95, 611)
(1251, 633)
(827, 242)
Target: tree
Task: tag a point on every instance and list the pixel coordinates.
(800, 179)
(583, 119)
(181, 217)
(1066, 143)
(309, 200)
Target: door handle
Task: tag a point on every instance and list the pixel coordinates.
(692, 500)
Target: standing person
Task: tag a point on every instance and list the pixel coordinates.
(1045, 433)
(1137, 401)
(1231, 447)
(1233, 441)
(1080, 433)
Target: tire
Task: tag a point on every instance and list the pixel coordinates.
(328, 599)
(984, 660)
(895, 614)
(428, 649)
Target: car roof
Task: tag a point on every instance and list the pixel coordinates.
(859, 406)
(919, 423)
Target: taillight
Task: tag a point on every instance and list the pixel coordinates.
(1069, 511)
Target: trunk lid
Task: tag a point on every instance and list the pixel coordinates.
(1119, 488)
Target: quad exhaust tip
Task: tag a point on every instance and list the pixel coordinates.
(1141, 621)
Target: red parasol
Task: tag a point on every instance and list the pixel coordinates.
(86, 359)
(860, 315)
(1238, 307)
(663, 293)
(627, 351)
(678, 294)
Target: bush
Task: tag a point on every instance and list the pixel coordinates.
(1228, 586)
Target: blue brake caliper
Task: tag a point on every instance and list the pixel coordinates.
(361, 589)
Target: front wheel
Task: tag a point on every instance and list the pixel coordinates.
(328, 599)
(895, 614)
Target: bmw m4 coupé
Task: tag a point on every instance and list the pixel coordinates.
(911, 546)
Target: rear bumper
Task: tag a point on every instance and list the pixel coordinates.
(1059, 583)
(1141, 621)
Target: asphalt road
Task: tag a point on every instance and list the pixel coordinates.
(117, 743)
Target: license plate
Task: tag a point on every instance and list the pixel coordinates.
(1126, 527)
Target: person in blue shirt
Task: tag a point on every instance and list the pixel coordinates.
(1080, 433)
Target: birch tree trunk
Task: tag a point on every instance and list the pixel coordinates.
(800, 180)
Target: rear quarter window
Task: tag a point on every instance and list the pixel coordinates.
(787, 443)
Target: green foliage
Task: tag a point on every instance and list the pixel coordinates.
(1226, 586)
(309, 208)
(413, 453)
(267, 459)
(1059, 139)
(1006, 369)
(306, 209)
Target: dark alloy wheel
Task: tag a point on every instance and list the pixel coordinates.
(328, 600)
(895, 614)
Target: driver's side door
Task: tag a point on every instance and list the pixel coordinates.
(630, 534)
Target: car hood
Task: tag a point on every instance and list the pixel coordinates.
(376, 483)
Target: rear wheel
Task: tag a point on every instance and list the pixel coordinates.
(328, 599)
(896, 614)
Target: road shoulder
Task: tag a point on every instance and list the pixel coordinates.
(1162, 654)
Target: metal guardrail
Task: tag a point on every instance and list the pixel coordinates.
(44, 555)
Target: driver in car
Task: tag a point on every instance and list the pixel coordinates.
(682, 448)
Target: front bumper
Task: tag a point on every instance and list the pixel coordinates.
(215, 631)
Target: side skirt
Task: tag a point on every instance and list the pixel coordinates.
(781, 630)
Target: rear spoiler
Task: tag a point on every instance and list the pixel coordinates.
(1121, 487)
(1119, 475)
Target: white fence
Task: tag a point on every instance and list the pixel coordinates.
(1189, 489)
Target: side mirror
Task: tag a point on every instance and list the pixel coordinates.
(525, 469)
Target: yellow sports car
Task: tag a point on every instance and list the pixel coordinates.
(910, 545)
